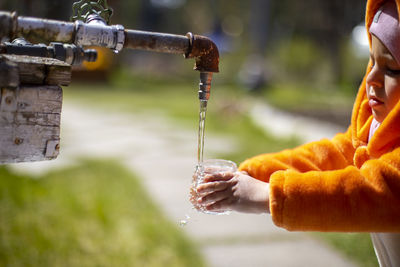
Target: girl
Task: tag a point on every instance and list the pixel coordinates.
(349, 183)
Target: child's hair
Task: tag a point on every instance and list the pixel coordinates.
(385, 27)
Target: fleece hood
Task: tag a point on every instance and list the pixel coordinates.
(388, 135)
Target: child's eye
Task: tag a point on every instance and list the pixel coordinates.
(393, 71)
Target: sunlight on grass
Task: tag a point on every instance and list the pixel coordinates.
(96, 214)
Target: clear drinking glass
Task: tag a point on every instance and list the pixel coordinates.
(213, 166)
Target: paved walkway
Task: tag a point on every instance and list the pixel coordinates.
(284, 124)
(164, 154)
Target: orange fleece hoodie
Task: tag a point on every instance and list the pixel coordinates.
(342, 184)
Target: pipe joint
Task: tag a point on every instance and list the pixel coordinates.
(204, 51)
(96, 34)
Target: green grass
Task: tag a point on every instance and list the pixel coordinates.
(355, 246)
(96, 214)
(294, 97)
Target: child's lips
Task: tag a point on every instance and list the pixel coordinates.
(373, 102)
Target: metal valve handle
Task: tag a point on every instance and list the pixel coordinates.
(82, 9)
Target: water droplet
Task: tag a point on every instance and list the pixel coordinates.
(185, 221)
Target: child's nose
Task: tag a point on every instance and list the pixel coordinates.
(375, 77)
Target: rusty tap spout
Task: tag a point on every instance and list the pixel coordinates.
(204, 51)
(206, 55)
(205, 85)
(201, 48)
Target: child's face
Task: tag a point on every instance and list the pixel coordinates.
(383, 82)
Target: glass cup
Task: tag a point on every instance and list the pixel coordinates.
(213, 166)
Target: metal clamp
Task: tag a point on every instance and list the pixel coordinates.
(190, 36)
(120, 37)
(99, 35)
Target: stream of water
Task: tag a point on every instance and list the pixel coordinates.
(200, 145)
(201, 133)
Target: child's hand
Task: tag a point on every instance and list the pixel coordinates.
(233, 191)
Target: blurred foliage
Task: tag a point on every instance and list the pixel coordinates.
(299, 40)
(319, 102)
(301, 60)
(95, 214)
(356, 246)
(353, 68)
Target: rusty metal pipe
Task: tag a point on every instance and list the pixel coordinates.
(201, 48)
(83, 34)
(45, 30)
(157, 42)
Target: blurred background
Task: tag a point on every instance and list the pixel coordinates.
(262, 42)
(304, 58)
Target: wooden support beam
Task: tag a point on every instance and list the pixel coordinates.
(30, 107)
(30, 123)
(38, 70)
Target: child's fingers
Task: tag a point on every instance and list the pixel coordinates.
(224, 176)
(209, 187)
(214, 197)
(223, 205)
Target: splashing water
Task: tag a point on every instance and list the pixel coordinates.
(185, 221)
(200, 147)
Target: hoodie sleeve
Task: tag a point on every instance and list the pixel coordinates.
(322, 155)
(316, 187)
(349, 199)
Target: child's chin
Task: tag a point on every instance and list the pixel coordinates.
(378, 116)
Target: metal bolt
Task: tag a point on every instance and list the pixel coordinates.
(18, 141)
(90, 55)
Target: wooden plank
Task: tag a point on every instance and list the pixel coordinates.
(30, 123)
(9, 74)
(38, 70)
(45, 99)
(22, 143)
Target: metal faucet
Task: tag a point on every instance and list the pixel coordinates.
(205, 85)
(95, 32)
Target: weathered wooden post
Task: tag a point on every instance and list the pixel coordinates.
(30, 107)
